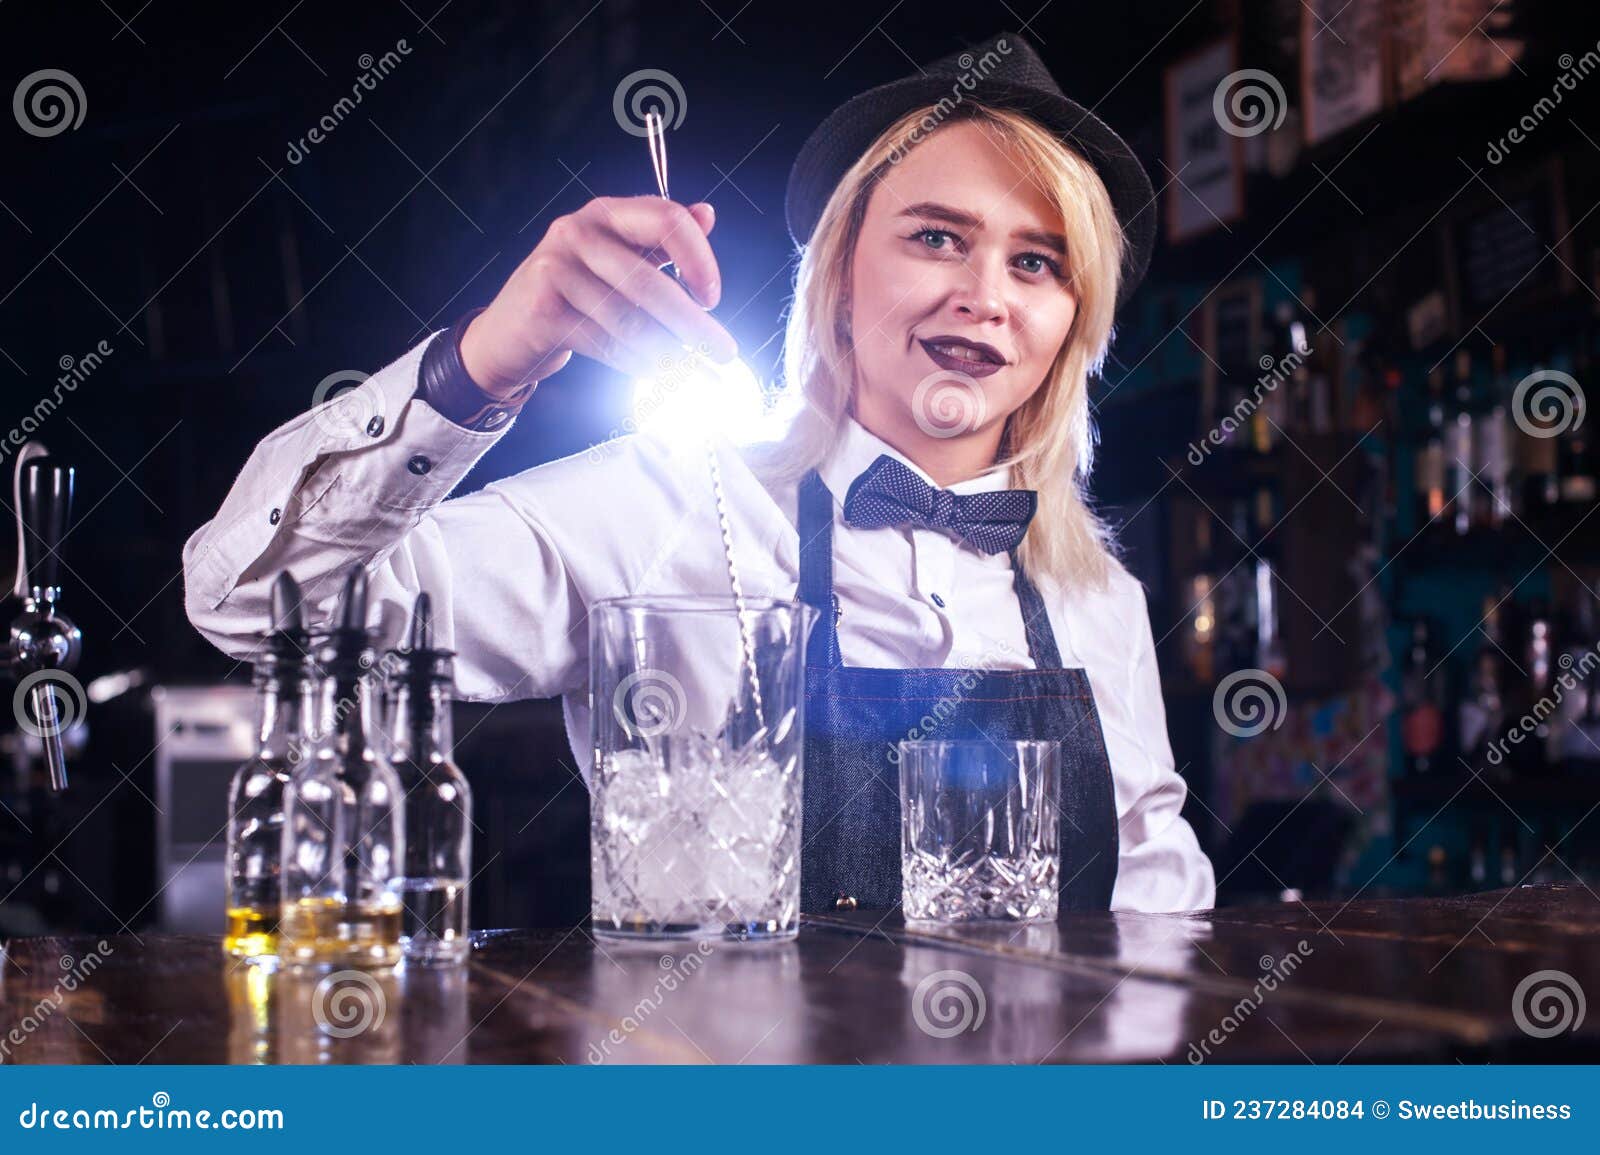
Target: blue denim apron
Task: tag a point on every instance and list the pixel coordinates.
(855, 716)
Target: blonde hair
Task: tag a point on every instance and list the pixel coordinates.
(1049, 440)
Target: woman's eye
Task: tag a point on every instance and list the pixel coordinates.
(934, 239)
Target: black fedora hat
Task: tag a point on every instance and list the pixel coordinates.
(1004, 71)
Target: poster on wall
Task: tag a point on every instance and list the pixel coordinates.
(1205, 181)
(1508, 249)
(1341, 64)
(1434, 41)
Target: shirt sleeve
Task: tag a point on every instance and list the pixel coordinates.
(363, 479)
(1160, 866)
(449, 389)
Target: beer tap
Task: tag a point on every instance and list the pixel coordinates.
(43, 644)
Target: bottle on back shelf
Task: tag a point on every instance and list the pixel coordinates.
(1236, 599)
(1547, 869)
(1199, 639)
(1574, 445)
(1528, 668)
(1510, 870)
(1482, 708)
(1270, 655)
(1575, 730)
(1422, 729)
(1537, 457)
(1431, 472)
(286, 684)
(1538, 648)
(1313, 404)
(344, 816)
(1499, 503)
(438, 850)
(1459, 456)
(1308, 399)
(1373, 393)
(1289, 403)
(1478, 859)
(1583, 737)
(1439, 882)
(1263, 437)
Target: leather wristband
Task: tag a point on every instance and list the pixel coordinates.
(444, 383)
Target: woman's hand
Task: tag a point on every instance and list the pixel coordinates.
(594, 286)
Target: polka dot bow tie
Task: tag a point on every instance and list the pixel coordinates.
(888, 493)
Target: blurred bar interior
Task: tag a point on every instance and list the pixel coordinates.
(1343, 430)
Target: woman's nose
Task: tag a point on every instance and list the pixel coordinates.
(980, 293)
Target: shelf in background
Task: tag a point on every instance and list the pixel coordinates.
(1568, 532)
(1575, 783)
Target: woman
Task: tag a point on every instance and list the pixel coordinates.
(967, 234)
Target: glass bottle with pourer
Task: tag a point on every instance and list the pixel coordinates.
(344, 816)
(286, 699)
(438, 849)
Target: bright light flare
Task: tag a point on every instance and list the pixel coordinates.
(693, 396)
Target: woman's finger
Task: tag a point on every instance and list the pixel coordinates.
(587, 336)
(647, 223)
(616, 313)
(627, 268)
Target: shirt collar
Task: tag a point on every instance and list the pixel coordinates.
(857, 448)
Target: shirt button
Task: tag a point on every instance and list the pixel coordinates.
(937, 600)
(419, 465)
(274, 517)
(375, 426)
(495, 419)
(845, 902)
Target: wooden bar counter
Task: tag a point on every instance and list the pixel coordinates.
(1428, 980)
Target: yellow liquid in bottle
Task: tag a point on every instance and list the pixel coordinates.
(251, 932)
(329, 932)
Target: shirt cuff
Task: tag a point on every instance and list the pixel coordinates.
(408, 456)
(447, 386)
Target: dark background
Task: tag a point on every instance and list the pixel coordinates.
(228, 282)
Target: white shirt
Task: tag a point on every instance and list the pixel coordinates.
(513, 567)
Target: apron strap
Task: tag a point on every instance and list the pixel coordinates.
(1035, 619)
(816, 570)
(816, 584)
